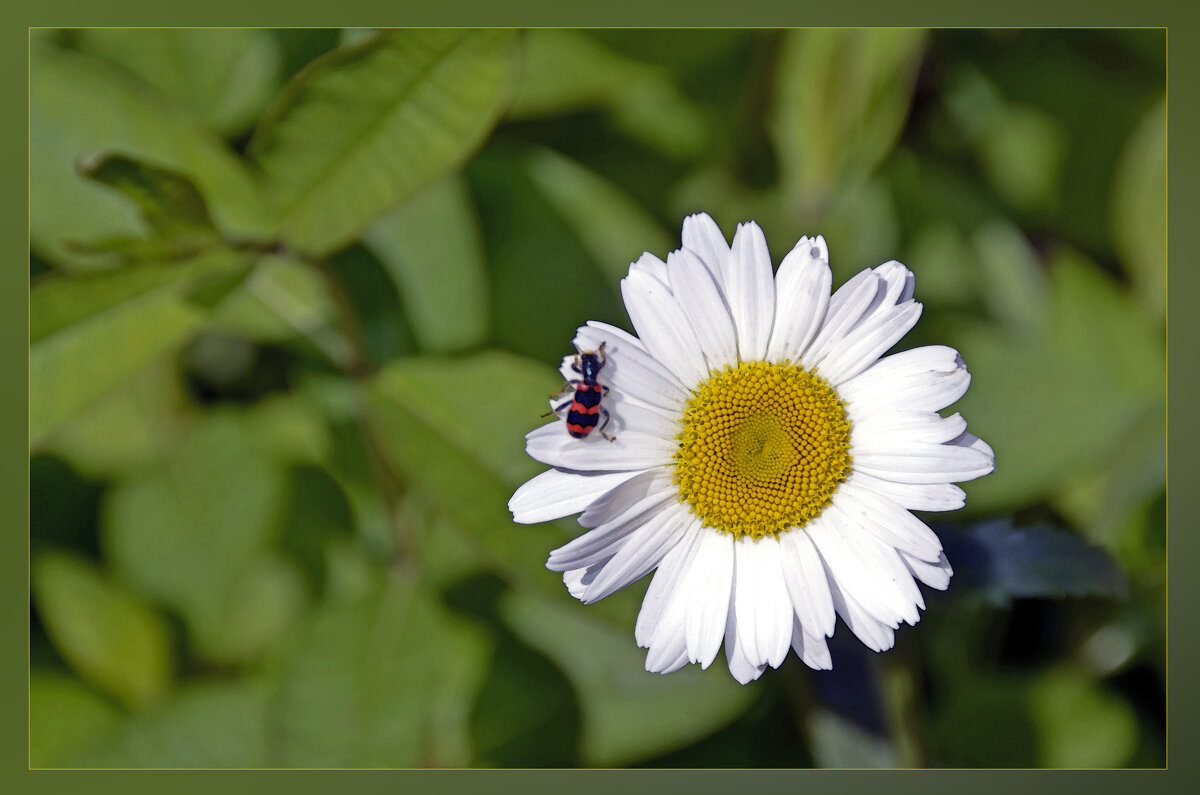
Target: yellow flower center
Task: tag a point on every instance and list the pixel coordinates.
(762, 450)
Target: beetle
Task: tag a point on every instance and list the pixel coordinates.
(584, 411)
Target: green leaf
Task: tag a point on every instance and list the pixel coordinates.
(1023, 150)
(385, 680)
(433, 250)
(80, 106)
(363, 128)
(565, 71)
(1014, 284)
(841, 99)
(629, 714)
(206, 725)
(64, 716)
(1038, 401)
(611, 225)
(90, 335)
(107, 635)
(1001, 563)
(169, 202)
(1138, 210)
(1080, 724)
(224, 77)
(837, 742)
(196, 532)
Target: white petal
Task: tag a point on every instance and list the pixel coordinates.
(554, 494)
(763, 605)
(624, 500)
(915, 496)
(663, 587)
(650, 265)
(704, 238)
(888, 522)
(935, 575)
(551, 444)
(624, 509)
(702, 302)
(665, 635)
(874, 634)
(863, 346)
(926, 463)
(663, 327)
(641, 552)
(812, 649)
(846, 309)
(577, 580)
(802, 295)
(631, 370)
(750, 291)
(806, 584)
(886, 430)
(920, 379)
(740, 666)
(706, 595)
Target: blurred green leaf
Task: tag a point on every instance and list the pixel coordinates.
(612, 226)
(1138, 210)
(629, 714)
(108, 636)
(568, 70)
(841, 98)
(1023, 150)
(382, 681)
(943, 263)
(79, 106)
(64, 716)
(196, 532)
(1000, 563)
(985, 722)
(433, 251)
(1079, 723)
(1013, 284)
(1038, 402)
(89, 335)
(224, 77)
(205, 725)
(362, 128)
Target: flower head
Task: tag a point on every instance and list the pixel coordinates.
(766, 458)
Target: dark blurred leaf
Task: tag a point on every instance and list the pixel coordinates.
(196, 532)
(841, 98)
(108, 636)
(64, 716)
(382, 681)
(169, 202)
(80, 105)
(1138, 210)
(837, 742)
(89, 335)
(565, 70)
(318, 512)
(223, 76)
(362, 128)
(207, 725)
(629, 714)
(610, 224)
(1001, 563)
(433, 251)
(986, 723)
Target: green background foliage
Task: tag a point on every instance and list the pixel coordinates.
(296, 296)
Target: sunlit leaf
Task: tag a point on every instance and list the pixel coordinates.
(110, 638)
(80, 106)
(433, 251)
(1138, 209)
(564, 71)
(64, 716)
(89, 335)
(1000, 563)
(223, 76)
(610, 223)
(1013, 282)
(629, 714)
(1080, 723)
(362, 128)
(841, 97)
(382, 681)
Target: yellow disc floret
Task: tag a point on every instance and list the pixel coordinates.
(762, 450)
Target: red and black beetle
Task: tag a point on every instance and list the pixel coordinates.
(584, 412)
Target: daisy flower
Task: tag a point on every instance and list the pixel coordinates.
(766, 457)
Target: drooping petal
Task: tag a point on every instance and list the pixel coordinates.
(663, 588)
(811, 649)
(804, 575)
(705, 594)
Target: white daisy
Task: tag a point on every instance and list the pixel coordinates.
(766, 458)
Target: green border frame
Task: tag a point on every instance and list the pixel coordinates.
(1183, 42)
